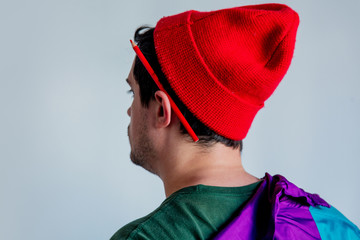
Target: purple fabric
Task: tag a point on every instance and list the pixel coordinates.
(278, 210)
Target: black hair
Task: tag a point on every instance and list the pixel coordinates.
(145, 40)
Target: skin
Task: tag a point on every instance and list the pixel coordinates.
(158, 146)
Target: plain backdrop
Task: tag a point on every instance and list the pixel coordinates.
(65, 171)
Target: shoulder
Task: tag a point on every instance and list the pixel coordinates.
(195, 212)
(125, 231)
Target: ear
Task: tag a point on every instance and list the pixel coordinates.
(163, 109)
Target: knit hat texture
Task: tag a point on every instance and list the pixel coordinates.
(224, 64)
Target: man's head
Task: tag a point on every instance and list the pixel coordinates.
(219, 67)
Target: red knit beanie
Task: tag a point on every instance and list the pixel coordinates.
(224, 64)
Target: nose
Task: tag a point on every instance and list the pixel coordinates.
(129, 112)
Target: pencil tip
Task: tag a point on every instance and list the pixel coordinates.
(132, 43)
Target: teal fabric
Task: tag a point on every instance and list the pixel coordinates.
(333, 225)
(196, 212)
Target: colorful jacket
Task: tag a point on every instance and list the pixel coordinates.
(281, 210)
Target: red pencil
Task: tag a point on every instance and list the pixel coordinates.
(156, 80)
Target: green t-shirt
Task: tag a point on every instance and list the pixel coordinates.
(196, 212)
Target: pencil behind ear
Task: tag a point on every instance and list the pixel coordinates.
(163, 109)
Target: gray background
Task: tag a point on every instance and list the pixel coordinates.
(65, 171)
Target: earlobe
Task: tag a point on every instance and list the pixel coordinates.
(163, 109)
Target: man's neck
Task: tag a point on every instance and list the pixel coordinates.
(218, 165)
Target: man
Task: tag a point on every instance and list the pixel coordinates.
(217, 68)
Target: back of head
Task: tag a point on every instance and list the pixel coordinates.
(221, 66)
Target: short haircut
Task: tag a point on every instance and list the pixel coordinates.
(145, 40)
